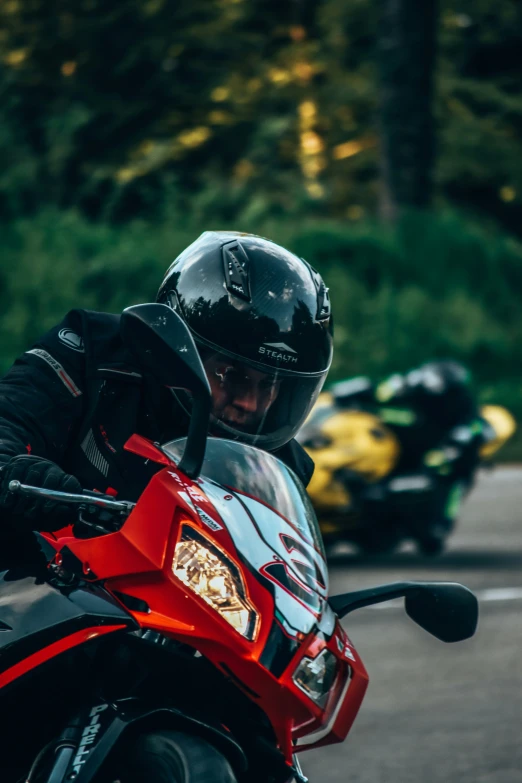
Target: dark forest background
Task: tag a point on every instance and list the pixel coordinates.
(380, 139)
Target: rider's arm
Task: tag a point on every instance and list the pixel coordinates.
(41, 396)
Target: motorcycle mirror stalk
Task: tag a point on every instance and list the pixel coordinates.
(447, 610)
(162, 343)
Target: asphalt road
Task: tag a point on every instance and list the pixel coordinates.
(435, 712)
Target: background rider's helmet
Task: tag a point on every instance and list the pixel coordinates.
(255, 308)
(445, 385)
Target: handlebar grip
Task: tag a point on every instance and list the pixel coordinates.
(92, 499)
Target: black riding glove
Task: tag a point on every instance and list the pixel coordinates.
(38, 513)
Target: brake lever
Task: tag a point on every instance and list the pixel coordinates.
(123, 507)
(93, 503)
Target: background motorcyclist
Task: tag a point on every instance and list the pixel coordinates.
(433, 412)
(261, 319)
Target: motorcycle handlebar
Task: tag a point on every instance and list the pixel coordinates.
(123, 507)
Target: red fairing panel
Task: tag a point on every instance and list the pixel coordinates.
(285, 581)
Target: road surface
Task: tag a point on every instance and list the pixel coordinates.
(435, 712)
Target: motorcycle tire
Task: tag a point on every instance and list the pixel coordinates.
(431, 545)
(173, 757)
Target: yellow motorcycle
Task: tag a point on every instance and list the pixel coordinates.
(362, 493)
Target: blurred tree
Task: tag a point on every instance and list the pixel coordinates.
(106, 95)
(479, 111)
(235, 105)
(254, 109)
(406, 54)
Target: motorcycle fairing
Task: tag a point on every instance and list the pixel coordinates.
(254, 529)
(263, 507)
(40, 621)
(138, 561)
(500, 425)
(279, 649)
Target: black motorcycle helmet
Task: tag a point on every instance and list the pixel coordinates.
(446, 386)
(261, 319)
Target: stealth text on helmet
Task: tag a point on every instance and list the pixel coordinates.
(279, 351)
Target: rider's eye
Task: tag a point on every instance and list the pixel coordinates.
(237, 380)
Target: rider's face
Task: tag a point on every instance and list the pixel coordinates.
(241, 396)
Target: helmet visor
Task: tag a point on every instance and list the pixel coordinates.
(262, 408)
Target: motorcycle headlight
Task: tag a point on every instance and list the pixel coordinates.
(315, 676)
(209, 573)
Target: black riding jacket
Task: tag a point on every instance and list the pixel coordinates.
(77, 396)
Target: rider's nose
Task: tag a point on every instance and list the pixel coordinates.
(246, 401)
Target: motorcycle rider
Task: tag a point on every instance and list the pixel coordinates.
(260, 317)
(433, 411)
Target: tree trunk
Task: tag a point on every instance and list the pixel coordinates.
(406, 55)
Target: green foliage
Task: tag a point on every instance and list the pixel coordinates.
(56, 261)
(260, 115)
(273, 106)
(436, 286)
(479, 107)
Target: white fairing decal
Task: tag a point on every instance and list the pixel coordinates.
(327, 623)
(276, 550)
(289, 544)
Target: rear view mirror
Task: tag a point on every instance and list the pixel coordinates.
(162, 344)
(447, 610)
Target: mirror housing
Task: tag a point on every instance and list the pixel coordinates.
(447, 610)
(162, 344)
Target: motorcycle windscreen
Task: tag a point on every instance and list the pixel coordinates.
(272, 523)
(260, 475)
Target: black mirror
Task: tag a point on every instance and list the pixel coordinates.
(447, 610)
(162, 344)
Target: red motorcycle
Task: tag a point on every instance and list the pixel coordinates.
(202, 612)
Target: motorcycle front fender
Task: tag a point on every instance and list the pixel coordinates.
(106, 724)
